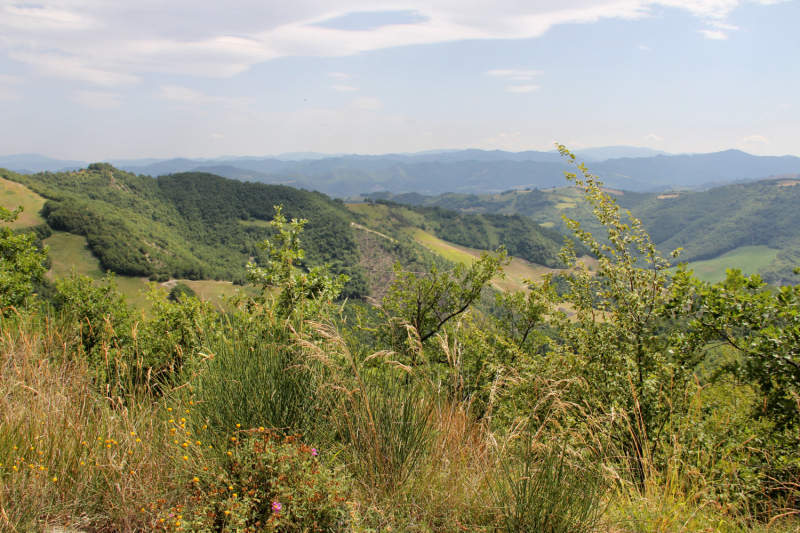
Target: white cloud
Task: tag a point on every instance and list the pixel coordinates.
(346, 88)
(522, 88)
(121, 40)
(96, 99)
(643, 47)
(185, 95)
(654, 137)
(515, 73)
(72, 68)
(717, 35)
(756, 138)
(366, 103)
(42, 17)
(339, 75)
(217, 135)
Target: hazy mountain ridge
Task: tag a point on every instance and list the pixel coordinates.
(468, 171)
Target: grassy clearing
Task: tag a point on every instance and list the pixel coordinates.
(258, 223)
(747, 258)
(69, 251)
(516, 272)
(13, 195)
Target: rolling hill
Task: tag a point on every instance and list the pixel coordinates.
(704, 224)
(204, 228)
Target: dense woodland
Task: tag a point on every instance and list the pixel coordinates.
(657, 403)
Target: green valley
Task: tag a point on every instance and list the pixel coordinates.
(202, 229)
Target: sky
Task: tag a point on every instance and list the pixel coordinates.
(95, 80)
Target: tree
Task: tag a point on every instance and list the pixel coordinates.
(614, 342)
(762, 326)
(20, 262)
(303, 293)
(428, 301)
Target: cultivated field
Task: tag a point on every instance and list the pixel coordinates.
(747, 258)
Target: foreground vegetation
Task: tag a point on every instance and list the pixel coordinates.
(663, 404)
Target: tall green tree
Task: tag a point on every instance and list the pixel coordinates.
(629, 370)
(21, 263)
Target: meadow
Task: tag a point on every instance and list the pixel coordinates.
(748, 259)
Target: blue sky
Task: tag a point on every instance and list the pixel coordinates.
(93, 80)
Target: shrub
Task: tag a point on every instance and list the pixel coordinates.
(267, 483)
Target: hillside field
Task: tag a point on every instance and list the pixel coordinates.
(13, 195)
(749, 259)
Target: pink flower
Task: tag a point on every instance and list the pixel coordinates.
(314, 452)
(276, 507)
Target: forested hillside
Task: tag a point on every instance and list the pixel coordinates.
(190, 225)
(198, 226)
(704, 224)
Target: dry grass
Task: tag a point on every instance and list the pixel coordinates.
(69, 457)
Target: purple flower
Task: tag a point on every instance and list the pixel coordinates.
(171, 515)
(276, 507)
(314, 452)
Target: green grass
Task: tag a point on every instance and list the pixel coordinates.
(68, 251)
(516, 272)
(13, 195)
(747, 258)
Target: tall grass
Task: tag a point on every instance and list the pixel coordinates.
(250, 375)
(70, 456)
(422, 458)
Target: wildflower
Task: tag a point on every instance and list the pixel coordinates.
(276, 507)
(227, 512)
(314, 452)
(185, 444)
(235, 495)
(138, 440)
(229, 453)
(238, 425)
(183, 420)
(185, 458)
(55, 479)
(196, 479)
(169, 408)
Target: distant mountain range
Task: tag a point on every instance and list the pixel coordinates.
(463, 171)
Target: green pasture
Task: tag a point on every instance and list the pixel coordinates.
(749, 259)
(68, 251)
(13, 195)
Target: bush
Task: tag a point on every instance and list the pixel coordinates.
(267, 483)
(181, 292)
